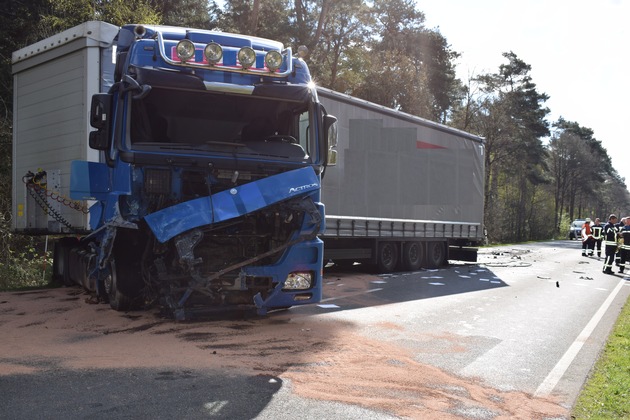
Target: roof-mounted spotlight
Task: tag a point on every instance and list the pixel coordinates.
(185, 50)
(273, 60)
(247, 57)
(213, 53)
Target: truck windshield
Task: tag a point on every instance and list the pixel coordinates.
(183, 121)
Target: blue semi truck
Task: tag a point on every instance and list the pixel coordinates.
(174, 166)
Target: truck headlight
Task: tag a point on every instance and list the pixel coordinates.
(213, 53)
(247, 57)
(185, 49)
(298, 281)
(273, 60)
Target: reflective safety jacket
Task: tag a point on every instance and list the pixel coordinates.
(625, 233)
(610, 234)
(597, 232)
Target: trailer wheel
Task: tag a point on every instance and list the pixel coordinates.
(412, 255)
(436, 254)
(61, 261)
(387, 257)
(121, 292)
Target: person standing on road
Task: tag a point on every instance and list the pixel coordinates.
(598, 235)
(587, 238)
(625, 246)
(610, 244)
(619, 226)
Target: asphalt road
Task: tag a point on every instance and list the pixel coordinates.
(513, 336)
(517, 314)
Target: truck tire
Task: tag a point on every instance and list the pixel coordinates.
(436, 254)
(412, 255)
(122, 293)
(387, 257)
(61, 261)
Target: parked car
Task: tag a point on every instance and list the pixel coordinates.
(575, 231)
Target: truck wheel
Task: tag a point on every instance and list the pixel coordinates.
(61, 261)
(387, 257)
(412, 255)
(120, 292)
(436, 254)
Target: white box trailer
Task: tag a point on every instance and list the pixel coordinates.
(54, 81)
(406, 192)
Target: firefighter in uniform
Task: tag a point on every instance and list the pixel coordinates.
(619, 226)
(587, 238)
(598, 235)
(625, 246)
(610, 243)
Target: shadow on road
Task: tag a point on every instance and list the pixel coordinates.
(354, 287)
(135, 394)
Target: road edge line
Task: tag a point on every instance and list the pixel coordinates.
(552, 379)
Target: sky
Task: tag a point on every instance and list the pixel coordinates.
(578, 51)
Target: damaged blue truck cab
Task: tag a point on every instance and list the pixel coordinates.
(207, 192)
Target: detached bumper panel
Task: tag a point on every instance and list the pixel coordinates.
(171, 221)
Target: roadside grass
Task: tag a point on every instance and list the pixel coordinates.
(606, 394)
(25, 270)
(28, 276)
(25, 261)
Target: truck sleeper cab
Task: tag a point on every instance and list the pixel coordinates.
(207, 194)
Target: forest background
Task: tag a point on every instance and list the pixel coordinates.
(540, 174)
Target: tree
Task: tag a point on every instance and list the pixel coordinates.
(190, 13)
(563, 163)
(59, 15)
(339, 54)
(585, 182)
(512, 119)
(267, 19)
(411, 67)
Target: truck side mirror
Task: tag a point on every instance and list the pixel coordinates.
(330, 128)
(99, 119)
(99, 111)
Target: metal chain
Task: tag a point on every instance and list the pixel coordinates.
(40, 194)
(33, 181)
(48, 209)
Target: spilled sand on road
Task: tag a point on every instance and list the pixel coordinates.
(321, 359)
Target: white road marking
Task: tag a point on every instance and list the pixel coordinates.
(213, 408)
(328, 306)
(560, 368)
